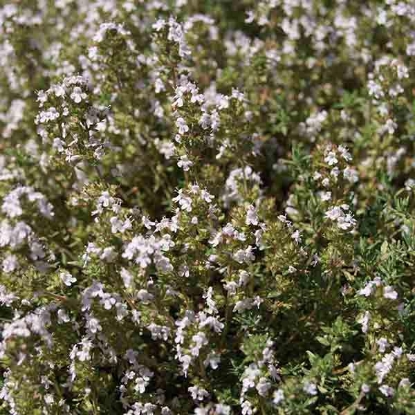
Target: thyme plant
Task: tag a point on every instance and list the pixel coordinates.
(207, 207)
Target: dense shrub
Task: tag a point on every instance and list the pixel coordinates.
(207, 207)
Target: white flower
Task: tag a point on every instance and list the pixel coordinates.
(367, 290)
(242, 305)
(375, 90)
(296, 236)
(50, 114)
(10, 263)
(383, 367)
(108, 301)
(325, 196)
(104, 201)
(404, 383)
(247, 408)
(144, 296)
(263, 386)
(160, 23)
(117, 225)
(310, 388)
(334, 213)
(344, 153)
(67, 278)
(63, 316)
(331, 158)
(387, 391)
(58, 144)
(243, 278)
(383, 344)
(147, 222)
(6, 298)
(93, 325)
(397, 352)
(389, 127)
(78, 95)
(185, 163)
(251, 216)
(159, 332)
(159, 86)
(344, 220)
(49, 399)
(198, 341)
(198, 394)
(221, 409)
(364, 321)
(244, 255)
(326, 182)
(58, 90)
(184, 201)
(166, 148)
(278, 396)
(410, 184)
(390, 293)
(126, 277)
(182, 126)
(206, 196)
(351, 175)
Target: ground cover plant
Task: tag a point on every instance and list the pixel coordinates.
(207, 207)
